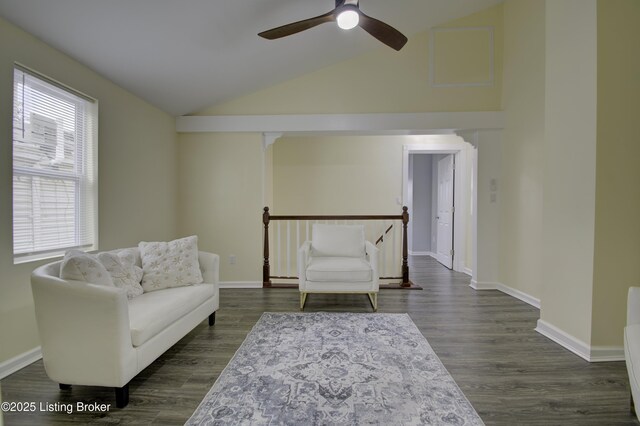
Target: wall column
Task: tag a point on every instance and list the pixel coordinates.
(485, 226)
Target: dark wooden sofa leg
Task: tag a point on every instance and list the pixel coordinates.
(212, 319)
(122, 396)
(64, 386)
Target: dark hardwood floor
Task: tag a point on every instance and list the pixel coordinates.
(486, 339)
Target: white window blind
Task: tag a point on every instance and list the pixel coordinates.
(55, 187)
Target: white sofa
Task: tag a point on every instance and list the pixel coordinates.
(338, 259)
(93, 335)
(632, 345)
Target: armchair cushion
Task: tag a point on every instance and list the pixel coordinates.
(338, 241)
(340, 269)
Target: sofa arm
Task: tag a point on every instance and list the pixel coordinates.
(633, 306)
(303, 261)
(372, 254)
(84, 331)
(210, 267)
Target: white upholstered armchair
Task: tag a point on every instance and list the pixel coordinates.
(338, 259)
(632, 345)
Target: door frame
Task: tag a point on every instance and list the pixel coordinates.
(462, 192)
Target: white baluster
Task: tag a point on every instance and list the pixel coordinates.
(297, 247)
(278, 250)
(396, 261)
(288, 271)
(384, 252)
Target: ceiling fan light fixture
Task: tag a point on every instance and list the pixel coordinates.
(347, 15)
(348, 18)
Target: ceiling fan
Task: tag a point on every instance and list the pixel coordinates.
(348, 15)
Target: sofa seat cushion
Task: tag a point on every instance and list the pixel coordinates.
(339, 269)
(152, 312)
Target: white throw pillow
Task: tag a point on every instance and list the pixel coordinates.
(123, 270)
(170, 264)
(80, 266)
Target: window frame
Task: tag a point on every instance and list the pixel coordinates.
(85, 172)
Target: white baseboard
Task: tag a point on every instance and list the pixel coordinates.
(520, 295)
(467, 271)
(420, 253)
(567, 341)
(578, 347)
(607, 353)
(479, 285)
(16, 363)
(240, 284)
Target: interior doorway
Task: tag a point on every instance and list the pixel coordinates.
(438, 193)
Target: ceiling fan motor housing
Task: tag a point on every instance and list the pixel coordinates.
(344, 2)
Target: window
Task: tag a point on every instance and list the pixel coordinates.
(55, 186)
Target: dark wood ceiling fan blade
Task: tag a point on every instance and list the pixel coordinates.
(383, 32)
(296, 27)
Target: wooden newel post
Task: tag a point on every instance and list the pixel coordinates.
(266, 272)
(405, 249)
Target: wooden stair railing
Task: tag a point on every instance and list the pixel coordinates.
(381, 239)
(267, 218)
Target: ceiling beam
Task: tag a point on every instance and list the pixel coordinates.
(396, 123)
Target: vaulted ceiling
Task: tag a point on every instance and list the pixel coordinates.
(185, 55)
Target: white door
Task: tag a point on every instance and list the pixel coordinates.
(444, 241)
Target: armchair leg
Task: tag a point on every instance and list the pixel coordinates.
(64, 386)
(122, 396)
(373, 298)
(212, 319)
(303, 300)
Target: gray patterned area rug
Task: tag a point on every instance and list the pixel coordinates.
(335, 369)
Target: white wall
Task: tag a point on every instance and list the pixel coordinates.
(617, 233)
(337, 175)
(422, 185)
(221, 199)
(521, 186)
(570, 167)
(137, 174)
(488, 166)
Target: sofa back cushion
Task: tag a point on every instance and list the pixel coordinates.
(337, 240)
